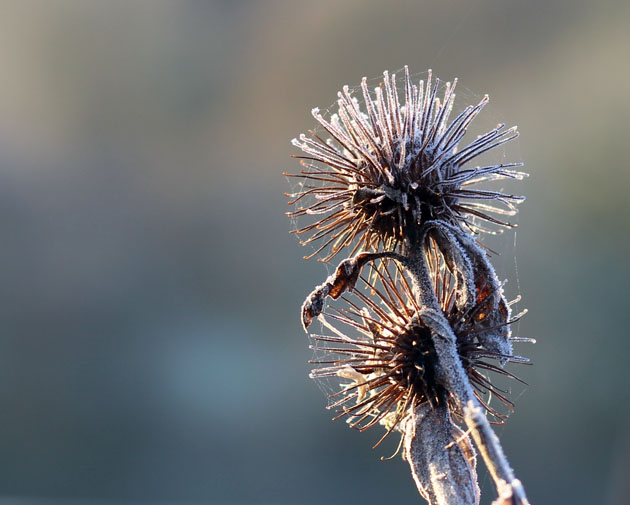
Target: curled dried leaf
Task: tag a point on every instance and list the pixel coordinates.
(492, 312)
(344, 279)
(457, 261)
(441, 457)
(483, 294)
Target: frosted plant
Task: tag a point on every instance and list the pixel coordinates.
(411, 343)
(394, 165)
(378, 342)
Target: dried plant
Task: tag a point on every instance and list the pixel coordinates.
(389, 169)
(411, 339)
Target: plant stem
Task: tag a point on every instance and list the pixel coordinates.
(456, 380)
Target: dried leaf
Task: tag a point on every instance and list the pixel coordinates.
(489, 307)
(441, 457)
(344, 279)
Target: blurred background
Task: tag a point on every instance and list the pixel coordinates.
(150, 345)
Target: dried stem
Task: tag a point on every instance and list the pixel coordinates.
(395, 184)
(509, 489)
(456, 380)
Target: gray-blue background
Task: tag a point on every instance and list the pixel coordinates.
(150, 348)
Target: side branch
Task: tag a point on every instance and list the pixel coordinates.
(344, 279)
(509, 489)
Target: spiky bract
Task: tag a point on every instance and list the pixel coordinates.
(395, 164)
(387, 351)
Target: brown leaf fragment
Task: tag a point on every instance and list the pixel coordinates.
(344, 279)
(346, 276)
(489, 309)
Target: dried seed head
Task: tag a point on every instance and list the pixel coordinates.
(394, 165)
(387, 351)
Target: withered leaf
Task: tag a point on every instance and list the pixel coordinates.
(441, 456)
(344, 279)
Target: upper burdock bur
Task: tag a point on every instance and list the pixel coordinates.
(391, 167)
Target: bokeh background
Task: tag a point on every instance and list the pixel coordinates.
(150, 347)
